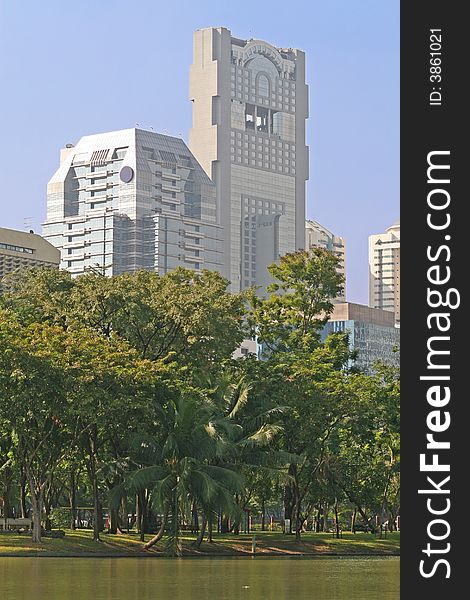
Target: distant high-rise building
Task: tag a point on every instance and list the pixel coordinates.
(372, 334)
(20, 250)
(317, 236)
(384, 270)
(250, 103)
(129, 200)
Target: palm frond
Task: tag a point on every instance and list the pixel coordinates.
(262, 437)
(239, 398)
(144, 478)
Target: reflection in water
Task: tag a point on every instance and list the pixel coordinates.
(201, 579)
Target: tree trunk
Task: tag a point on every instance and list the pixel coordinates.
(7, 480)
(297, 507)
(209, 529)
(6, 504)
(393, 519)
(123, 516)
(113, 521)
(354, 501)
(24, 510)
(384, 497)
(36, 503)
(142, 514)
(224, 524)
(289, 500)
(94, 481)
(366, 519)
(47, 519)
(263, 516)
(336, 518)
(47, 508)
(201, 533)
(296, 500)
(96, 511)
(73, 500)
(159, 535)
(318, 520)
(298, 520)
(138, 519)
(176, 549)
(194, 519)
(324, 517)
(37, 510)
(353, 521)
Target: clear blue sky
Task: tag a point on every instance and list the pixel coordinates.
(73, 68)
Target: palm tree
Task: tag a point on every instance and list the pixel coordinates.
(180, 467)
(251, 425)
(208, 438)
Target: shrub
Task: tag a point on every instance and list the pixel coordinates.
(60, 517)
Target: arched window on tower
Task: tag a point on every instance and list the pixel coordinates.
(263, 86)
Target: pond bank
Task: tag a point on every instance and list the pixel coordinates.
(77, 544)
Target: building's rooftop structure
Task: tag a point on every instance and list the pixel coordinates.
(349, 311)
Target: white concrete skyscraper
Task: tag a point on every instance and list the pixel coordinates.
(132, 199)
(250, 103)
(384, 270)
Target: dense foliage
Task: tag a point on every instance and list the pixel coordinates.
(121, 395)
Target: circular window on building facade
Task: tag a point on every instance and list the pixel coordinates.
(126, 174)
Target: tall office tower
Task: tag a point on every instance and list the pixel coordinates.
(317, 236)
(250, 103)
(21, 250)
(129, 200)
(384, 270)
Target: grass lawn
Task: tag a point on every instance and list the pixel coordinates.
(268, 543)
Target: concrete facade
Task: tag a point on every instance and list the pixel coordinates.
(384, 270)
(318, 236)
(19, 250)
(129, 200)
(250, 103)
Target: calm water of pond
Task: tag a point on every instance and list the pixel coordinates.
(201, 579)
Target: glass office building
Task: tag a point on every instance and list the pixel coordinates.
(372, 334)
